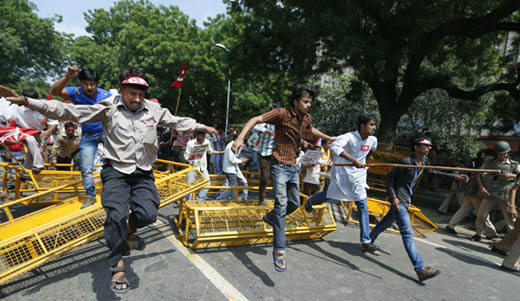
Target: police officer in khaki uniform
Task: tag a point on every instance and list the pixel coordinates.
(495, 190)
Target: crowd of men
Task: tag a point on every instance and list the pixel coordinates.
(129, 132)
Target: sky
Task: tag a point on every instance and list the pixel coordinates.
(74, 21)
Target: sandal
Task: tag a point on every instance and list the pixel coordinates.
(278, 262)
(140, 245)
(122, 280)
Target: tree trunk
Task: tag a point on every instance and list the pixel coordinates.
(388, 125)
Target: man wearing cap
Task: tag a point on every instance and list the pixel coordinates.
(399, 186)
(87, 93)
(495, 190)
(129, 124)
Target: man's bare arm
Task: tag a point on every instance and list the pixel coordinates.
(58, 88)
(237, 145)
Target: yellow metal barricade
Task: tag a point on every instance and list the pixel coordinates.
(379, 208)
(212, 224)
(33, 239)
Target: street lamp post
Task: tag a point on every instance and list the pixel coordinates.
(228, 87)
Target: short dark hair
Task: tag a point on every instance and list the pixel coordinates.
(299, 91)
(416, 139)
(88, 74)
(69, 124)
(132, 71)
(364, 118)
(30, 92)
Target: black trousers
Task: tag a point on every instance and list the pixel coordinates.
(131, 198)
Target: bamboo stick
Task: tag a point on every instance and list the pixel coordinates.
(426, 167)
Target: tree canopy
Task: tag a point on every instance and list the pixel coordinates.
(31, 48)
(400, 49)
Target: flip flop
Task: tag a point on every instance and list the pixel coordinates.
(121, 280)
(279, 262)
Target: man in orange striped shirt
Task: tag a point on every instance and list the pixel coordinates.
(291, 123)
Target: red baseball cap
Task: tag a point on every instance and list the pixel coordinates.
(135, 80)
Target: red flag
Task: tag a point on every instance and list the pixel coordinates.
(178, 82)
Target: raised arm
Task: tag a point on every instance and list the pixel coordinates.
(58, 88)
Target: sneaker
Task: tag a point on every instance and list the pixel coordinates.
(427, 273)
(308, 206)
(494, 249)
(89, 200)
(450, 230)
(476, 237)
(370, 248)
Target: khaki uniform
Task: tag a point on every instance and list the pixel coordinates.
(498, 189)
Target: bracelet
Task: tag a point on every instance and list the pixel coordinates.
(25, 103)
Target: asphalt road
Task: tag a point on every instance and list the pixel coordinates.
(332, 268)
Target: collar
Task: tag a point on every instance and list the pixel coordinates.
(119, 101)
(293, 113)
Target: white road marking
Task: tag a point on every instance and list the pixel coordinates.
(225, 287)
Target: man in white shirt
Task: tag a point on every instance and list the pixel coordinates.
(195, 154)
(232, 172)
(27, 118)
(348, 183)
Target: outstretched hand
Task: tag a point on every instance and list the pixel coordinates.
(16, 100)
(237, 146)
(6, 92)
(211, 130)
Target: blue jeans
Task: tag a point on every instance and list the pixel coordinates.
(87, 153)
(403, 221)
(364, 227)
(231, 180)
(203, 193)
(286, 186)
(218, 163)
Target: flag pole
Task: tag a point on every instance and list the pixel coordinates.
(178, 99)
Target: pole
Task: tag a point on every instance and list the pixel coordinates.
(426, 167)
(178, 100)
(227, 102)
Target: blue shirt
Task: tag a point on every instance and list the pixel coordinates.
(79, 97)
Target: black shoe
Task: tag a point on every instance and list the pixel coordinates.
(427, 273)
(450, 230)
(268, 221)
(370, 248)
(476, 237)
(308, 206)
(494, 249)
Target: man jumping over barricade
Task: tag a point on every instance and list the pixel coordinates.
(129, 125)
(290, 124)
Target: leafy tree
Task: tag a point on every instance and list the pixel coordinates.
(31, 49)
(400, 49)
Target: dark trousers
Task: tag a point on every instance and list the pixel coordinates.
(265, 166)
(121, 193)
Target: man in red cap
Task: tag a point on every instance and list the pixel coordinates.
(400, 185)
(129, 125)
